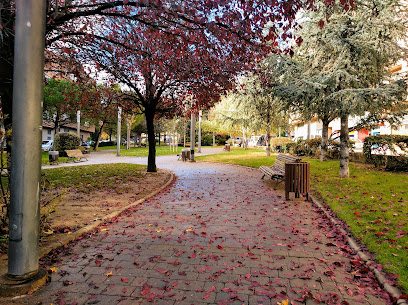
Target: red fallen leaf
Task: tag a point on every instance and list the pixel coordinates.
(124, 290)
(151, 297)
(220, 247)
(329, 273)
(174, 284)
(206, 296)
(401, 234)
(182, 273)
(403, 297)
(379, 233)
(193, 255)
(123, 279)
(161, 270)
(146, 289)
(357, 214)
(213, 288)
(30, 292)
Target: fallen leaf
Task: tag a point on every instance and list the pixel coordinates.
(109, 273)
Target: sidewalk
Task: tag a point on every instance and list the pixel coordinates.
(218, 235)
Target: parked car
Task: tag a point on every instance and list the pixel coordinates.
(47, 145)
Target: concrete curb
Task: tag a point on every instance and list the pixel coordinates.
(68, 238)
(391, 290)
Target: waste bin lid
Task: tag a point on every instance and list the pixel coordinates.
(53, 153)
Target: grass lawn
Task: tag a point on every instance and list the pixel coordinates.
(374, 203)
(89, 178)
(45, 158)
(144, 151)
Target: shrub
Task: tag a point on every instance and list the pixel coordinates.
(278, 144)
(107, 143)
(314, 146)
(387, 150)
(289, 147)
(66, 140)
(220, 139)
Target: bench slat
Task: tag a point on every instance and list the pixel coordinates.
(75, 154)
(277, 170)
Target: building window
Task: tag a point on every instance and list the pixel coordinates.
(49, 131)
(48, 138)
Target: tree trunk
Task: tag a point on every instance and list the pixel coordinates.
(214, 139)
(151, 160)
(268, 142)
(184, 133)
(159, 139)
(99, 136)
(344, 151)
(244, 142)
(325, 136)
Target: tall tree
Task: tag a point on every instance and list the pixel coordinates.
(57, 95)
(66, 18)
(166, 73)
(348, 62)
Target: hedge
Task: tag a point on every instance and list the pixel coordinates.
(66, 140)
(390, 151)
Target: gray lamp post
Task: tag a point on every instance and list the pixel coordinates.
(200, 115)
(23, 268)
(118, 131)
(192, 137)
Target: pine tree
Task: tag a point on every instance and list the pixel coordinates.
(347, 61)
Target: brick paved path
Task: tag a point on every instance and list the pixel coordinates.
(218, 235)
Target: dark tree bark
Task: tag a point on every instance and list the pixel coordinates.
(99, 136)
(151, 160)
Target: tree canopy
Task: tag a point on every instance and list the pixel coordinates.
(345, 64)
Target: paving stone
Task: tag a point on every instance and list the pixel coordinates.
(227, 229)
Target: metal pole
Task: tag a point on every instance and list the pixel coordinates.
(128, 134)
(79, 123)
(192, 137)
(118, 133)
(200, 115)
(26, 152)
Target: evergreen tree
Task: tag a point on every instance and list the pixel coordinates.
(347, 62)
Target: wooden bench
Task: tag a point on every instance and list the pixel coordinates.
(85, 150)
(75, 155)
(277, 170)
